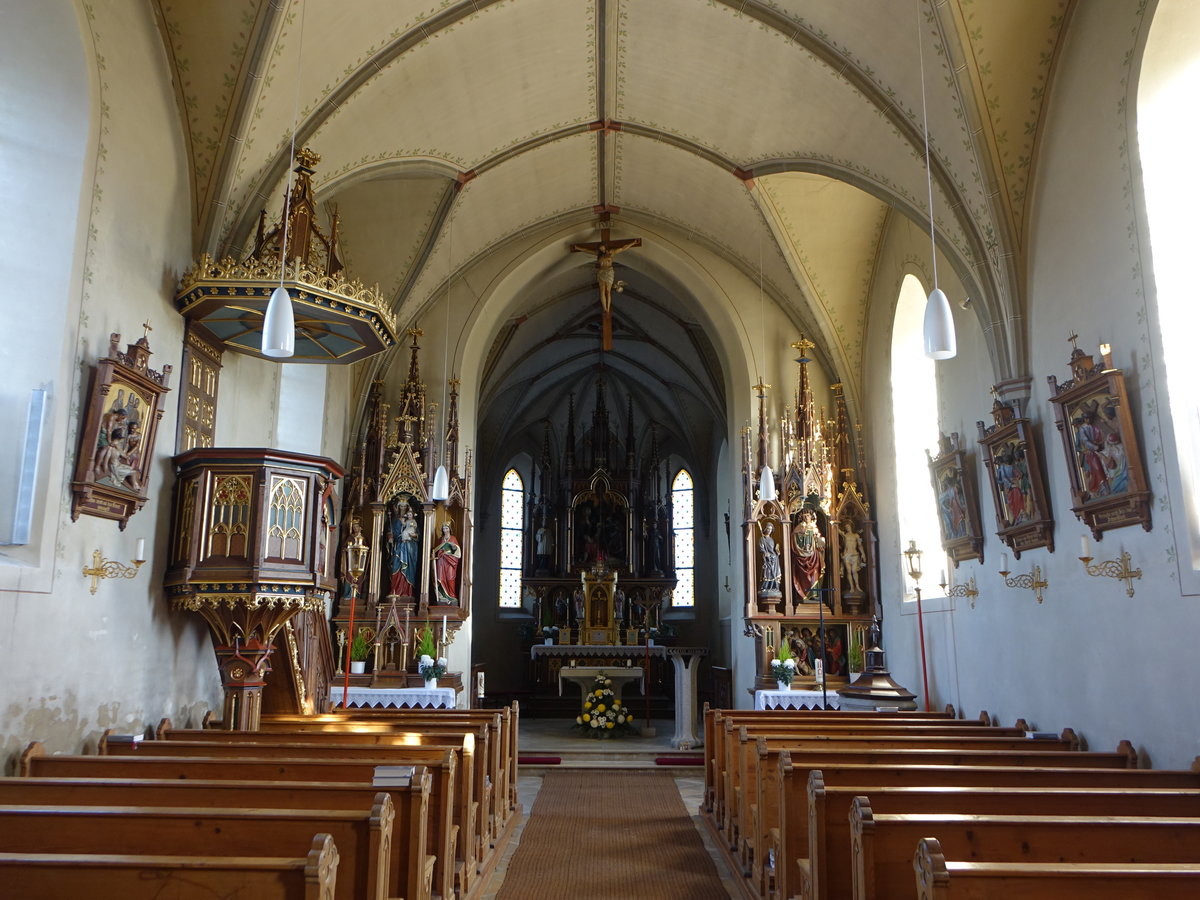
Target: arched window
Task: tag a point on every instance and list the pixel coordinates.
(512, 538)
(45, 118)
(683, 524)
(915, 426)
(1170, 78)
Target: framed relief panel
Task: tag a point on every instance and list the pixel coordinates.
(1017, 481)
(1108, 483)
(957, 501)
(124, 407)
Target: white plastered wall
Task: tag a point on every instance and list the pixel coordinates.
(1089, 657)
(73, 663)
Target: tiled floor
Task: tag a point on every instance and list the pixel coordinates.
(550, 736)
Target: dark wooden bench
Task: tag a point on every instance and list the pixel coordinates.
(742, 829)
(442, 764)
(410, 866)
(54, 876)
(480, 764)
(715, 731)
(244, 745)
(829, 842)
(883, 845)
(801, 760)
(362, 837)
(510, 721)
(940, 879)
(791, 842)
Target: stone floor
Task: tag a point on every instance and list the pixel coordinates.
(550, 737)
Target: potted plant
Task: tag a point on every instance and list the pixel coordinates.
(430, 666)
(783, 666)
(359, 651)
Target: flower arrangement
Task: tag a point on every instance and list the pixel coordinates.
(783, 666)
(429, 665)
(603, 715)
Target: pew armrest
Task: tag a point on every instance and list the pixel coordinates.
(803, 881)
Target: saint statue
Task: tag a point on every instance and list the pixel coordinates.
(446, 557)
(852, 556)
(768, 552)
(808, 554)
(403, 551)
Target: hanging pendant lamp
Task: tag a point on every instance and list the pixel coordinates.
(279, 325)
(938, 332)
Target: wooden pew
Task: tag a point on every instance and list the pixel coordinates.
(801, 760)
(743, 830)
(410, 865)
(829, 843)
(244, 745)
(735, 730)
(883, 844)
(363, 837)
(510, 721)
(939, 879)
(757, 766)
(476, 767)
(441, 762)
(715, 731)
(493, 769)
(792, 841)
(53, 876)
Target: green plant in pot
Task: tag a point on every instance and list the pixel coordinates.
(360, 649)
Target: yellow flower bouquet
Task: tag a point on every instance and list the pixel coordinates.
(603, 715)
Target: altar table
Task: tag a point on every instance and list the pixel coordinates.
(797, 699)
(585, 676)
(684, 659)
(432, 698)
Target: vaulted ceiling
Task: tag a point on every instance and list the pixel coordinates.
(780, 136)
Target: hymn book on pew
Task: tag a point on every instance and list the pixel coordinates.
(392, 776)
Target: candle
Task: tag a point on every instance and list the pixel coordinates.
(443, 629)
(141, 549)
(1004, 562)
(1085, 548)
(943, 581)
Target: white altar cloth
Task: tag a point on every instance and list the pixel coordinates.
(797, 699)
(433, 698)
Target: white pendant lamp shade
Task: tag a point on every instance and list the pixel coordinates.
(939, 327)
(766, 484)
(279, 325)
(441, 484)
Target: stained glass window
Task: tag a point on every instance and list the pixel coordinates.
(512, 538)
(683, 518)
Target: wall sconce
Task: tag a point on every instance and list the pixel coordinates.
(109, 568)
(968, 590)
(1031, 582)
(1111, 568)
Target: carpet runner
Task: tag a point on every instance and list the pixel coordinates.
(610, 835)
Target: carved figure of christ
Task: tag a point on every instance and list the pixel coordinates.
(605, 249)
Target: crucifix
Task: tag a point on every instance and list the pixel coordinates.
(605, 249)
